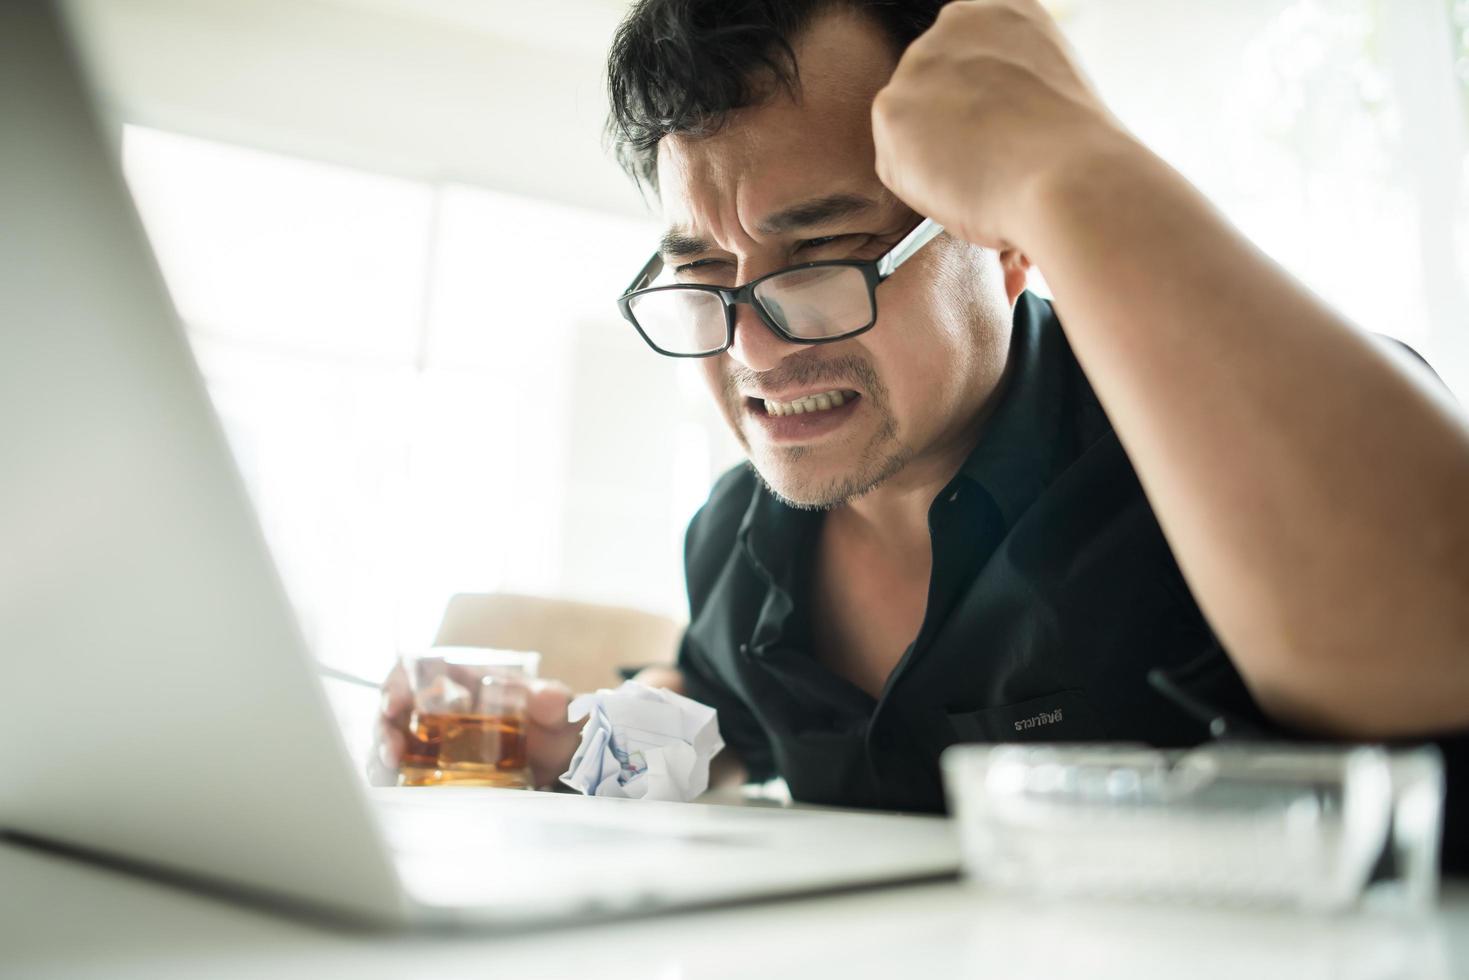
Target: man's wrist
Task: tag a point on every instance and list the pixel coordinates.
(1104, 170)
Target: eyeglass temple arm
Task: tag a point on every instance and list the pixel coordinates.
(927, 231)
(650, 269)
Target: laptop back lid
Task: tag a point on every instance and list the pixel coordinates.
(157, 702)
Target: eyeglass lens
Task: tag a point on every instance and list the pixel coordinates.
(681, 321)
(812, 304)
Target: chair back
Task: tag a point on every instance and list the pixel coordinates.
(582, 644)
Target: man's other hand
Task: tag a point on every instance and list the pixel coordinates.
(551, 739)
(982, 109)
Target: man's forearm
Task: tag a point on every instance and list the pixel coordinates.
(1315, 493)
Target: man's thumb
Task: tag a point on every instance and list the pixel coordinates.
(547, 703)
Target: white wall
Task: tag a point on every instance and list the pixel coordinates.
(502, 94)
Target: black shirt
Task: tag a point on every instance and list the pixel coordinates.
(1056, 612)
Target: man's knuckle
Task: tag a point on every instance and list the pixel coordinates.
(890, 108)
(882, 106)
(955, 10)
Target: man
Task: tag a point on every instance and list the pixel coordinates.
(1206, 503)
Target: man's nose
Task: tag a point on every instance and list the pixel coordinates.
(755, 345)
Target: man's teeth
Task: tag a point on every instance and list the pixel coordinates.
(810, 403)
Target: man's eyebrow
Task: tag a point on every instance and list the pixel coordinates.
(817, 211)
(677, 245)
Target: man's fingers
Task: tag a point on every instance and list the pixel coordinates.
(397, 698)
(552, 739)
(386, 755)
(390, 745)
(390, 734)
(546, 704)
(551, 750)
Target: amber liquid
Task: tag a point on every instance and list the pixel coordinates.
(465, 750)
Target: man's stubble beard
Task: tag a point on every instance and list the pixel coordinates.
(883, 457)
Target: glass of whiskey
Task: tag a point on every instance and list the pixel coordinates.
(468, 726)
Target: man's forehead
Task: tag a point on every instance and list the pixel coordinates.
(769, 156)
(716, 188)
(686, 235)
(790, 150)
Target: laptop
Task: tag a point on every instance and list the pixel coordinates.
(159, 708)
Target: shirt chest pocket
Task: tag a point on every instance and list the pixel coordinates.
(1066, 716)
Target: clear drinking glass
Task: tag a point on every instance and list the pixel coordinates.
(468, 726)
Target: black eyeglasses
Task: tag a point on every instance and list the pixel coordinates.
(814, 303)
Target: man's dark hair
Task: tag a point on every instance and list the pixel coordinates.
(681, 66)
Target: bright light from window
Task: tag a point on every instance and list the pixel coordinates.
(427, 387)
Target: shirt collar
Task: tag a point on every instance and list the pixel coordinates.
(775, 539)
(773, 533)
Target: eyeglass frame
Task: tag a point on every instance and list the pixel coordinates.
(874, 272)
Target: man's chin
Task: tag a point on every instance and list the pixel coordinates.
(810, 488)
(799, 495)
(826, 473)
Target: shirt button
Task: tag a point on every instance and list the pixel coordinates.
(744, 648)
(953, 496)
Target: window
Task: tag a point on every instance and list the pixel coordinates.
(427, 388)
(1331, 132)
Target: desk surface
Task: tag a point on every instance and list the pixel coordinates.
(63, 918)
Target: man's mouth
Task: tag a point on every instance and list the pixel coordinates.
(807, 404)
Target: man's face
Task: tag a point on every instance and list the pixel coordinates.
(784, 183)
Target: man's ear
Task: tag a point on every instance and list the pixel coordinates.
(1016, 267)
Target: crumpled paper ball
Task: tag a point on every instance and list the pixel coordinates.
(643, 743)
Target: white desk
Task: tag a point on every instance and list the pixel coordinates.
(63, 918)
